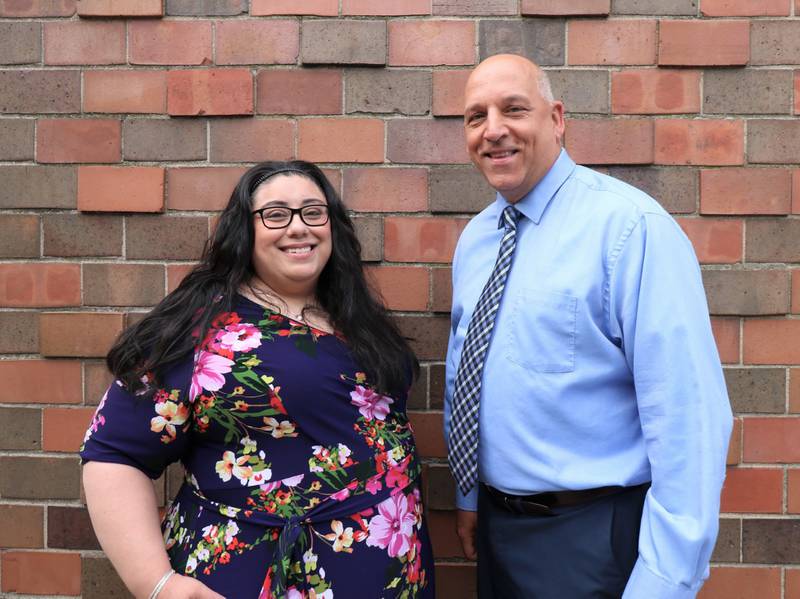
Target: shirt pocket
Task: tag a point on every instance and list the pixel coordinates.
(543, 330)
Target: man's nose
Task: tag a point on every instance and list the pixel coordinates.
(495, 126)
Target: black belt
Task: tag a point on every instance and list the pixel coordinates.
(541, 504)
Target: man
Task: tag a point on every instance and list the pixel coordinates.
(585, 405)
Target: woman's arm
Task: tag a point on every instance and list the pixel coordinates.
(124, 513)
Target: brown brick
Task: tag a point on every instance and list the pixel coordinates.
(257, 42)
(204, 188)
(239, 140)
(727, 582)
(403, 288)
(655, 91)
(728, 545)
(82, 235)
(606, 141)
(541, 40)
(176, 273)
(715, 241)
(58, 381)
(386, 189)
(448, 92)
(63, 429)
(734, 456)
(32, 92)
(125, 91)
(341, 140)
(16, 139)
(796, 291)
(70, 528)
(426, 141)
(166, 237)
(771, 541)
(581, 91)
(773, 141)
(160, 139)
(747, 292)
(122, 284)
(299, 91)
(24, 477)
(37, 8)
(84, 42)
(746, 191)
(370, 234)
(401, 92)
(23, 573)
(441, 488)
(772, 341)
(40, 285)
(201, 8)
(456, 580)
(438, 42)
(19, 236)
(674, 188)
(78, 140)
(654, 7)
(96, 379)
(20, 429)
(474, 7)
(797, 92)
(386, 7)
(120, 8)
(324, 8)
(426, 239)
(441, 293)
(210, 92)
(775, 42)
(120, 189)
(444, 538)
(773, 240)
(459, 189)
(99, 580)
(20, 43)
(723, 43)
(418, 394)
(343, 42)
(617, 42)
(756, 390)
(579, 8)
(19, 333)
(747, 92)
(78, 334)
(152, 41)
(428, 431)
(21, 526)
(708, 142)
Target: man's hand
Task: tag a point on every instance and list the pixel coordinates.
(466, 527)
(185, 587)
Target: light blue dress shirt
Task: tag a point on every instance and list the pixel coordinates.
(602, 368)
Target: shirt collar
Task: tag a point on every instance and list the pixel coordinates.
(534, 203)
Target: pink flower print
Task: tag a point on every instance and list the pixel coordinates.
(391, 529)
(170, 415)
(239, 337)
(208, 371)
(371, 405)
(373, 484)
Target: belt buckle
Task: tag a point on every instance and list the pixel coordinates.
(538, 508)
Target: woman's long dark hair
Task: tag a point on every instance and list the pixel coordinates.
(170, 332)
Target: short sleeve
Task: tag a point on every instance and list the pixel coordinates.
(147, 431)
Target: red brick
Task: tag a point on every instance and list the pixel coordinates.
(37, 8)
(426, 141)
(299, 91)
(436, 42)
(21, 526)
(426, 239)
(323, 8)
(796, 186)
(456, 580)
(340, 140)
(742, 583)
(125, 91)
(204, 188)
(252, 140)
(176, 274)
(793, 574)
(169, 42)
(628, 141)
(402, 287)
(795, 291)
(655, 91)
(448, 92)
(794, 390)
(797, 92)
(257, 42)
(78, 140)
(386, 189)
(210, 92)
(746, 191)
(84, 42)
(120, 188)
(386, 7)
(734, 456)
(442, 526)
(428, 434)
(78, 334)
(793, 500)
(703, 43)
(63, 428)
(709, 142)
(715, 241)
(752, 490)
(120, 8)
(746, 8)
(41, 285)
(771, 341)
(726, 334)
(58, 381)
(41, 573)
(548, 8)
(626, 42)
(771, 440)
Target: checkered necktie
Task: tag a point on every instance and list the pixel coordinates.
(464, 420)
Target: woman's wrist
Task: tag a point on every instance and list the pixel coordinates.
(161, 583)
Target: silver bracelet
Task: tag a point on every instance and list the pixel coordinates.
(160, 584)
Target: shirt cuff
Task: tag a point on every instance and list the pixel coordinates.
(645, 584)
(468, 502)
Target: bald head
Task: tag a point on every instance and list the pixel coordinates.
(522, 65)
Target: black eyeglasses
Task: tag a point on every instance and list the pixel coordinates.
(278, 217)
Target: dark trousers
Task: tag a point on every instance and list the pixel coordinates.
(581, 552)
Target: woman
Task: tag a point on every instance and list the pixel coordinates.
(280, 383)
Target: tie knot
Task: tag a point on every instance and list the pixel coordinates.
(510, 217)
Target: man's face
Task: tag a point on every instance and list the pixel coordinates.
(513, 134)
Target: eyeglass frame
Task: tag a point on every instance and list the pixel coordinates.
(292, 212)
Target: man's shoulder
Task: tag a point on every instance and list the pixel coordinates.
(613, 194)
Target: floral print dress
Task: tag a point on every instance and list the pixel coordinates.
(301, 480)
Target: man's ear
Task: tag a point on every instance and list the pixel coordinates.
(557, 114)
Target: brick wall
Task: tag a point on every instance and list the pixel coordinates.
(125, 123)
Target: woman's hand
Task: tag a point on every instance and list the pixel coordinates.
(186, 587)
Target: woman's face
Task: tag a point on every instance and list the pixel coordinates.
(290, 259)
